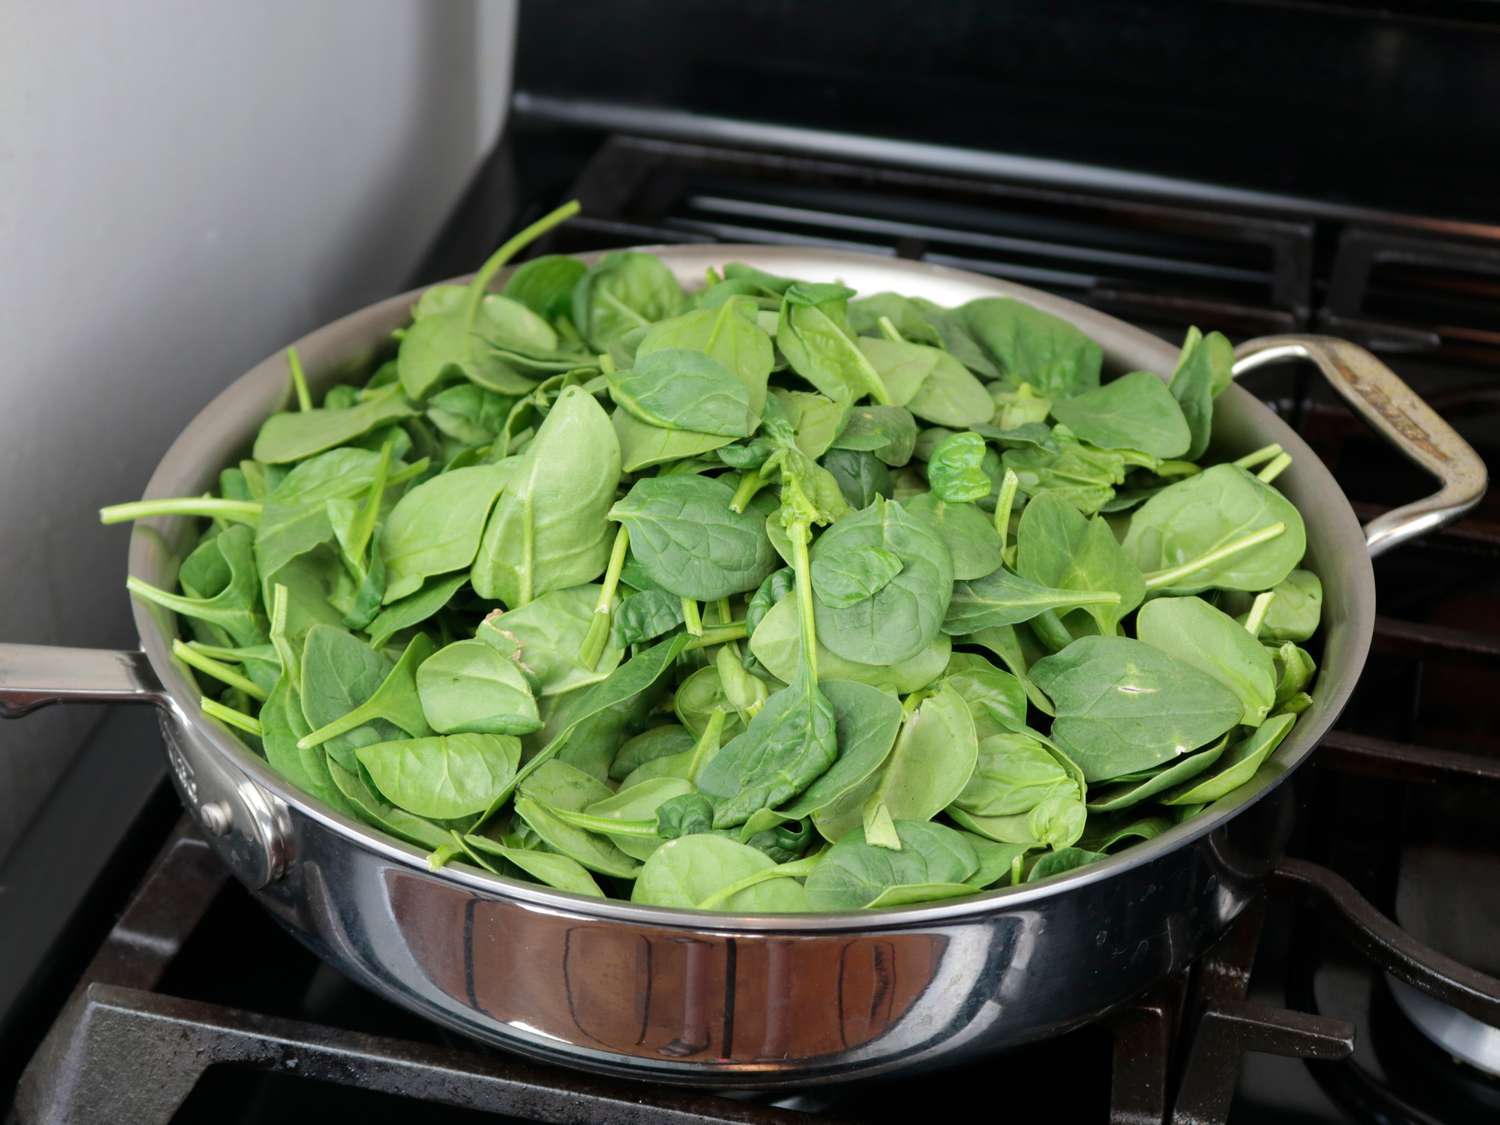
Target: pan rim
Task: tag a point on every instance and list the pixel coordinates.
(1147, 351)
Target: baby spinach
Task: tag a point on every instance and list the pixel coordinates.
(1057, 546)
(1203, 370)
(1295, 610)
(1220, 528)
(233, 603)
(1197, 634)
(1030, 346)
(435, 528)
(851, 577)
(688, 540)
(814, 336)
(995, 698)
(415, 608)
(1123, 705)
(854, 874)
(558, 516)
(685, 390)
(861, 476)
(470, 687)
(1135, 411)
(901, 619)
(548, 529)
(545, 284)
(786, 747)
(1086, 478)
(689, 871)
(625, 290)
(1060, 861)
(967, 531)
(560, 872)
(444, 776)
(643, 445)
(544, 636)
(1237, 766)
(1124, 793)
(395, 701)
(377, 810)
(295, 436)
(953, 471)
(727, 335)
(931, 763)
(776, 643)
(887, 432)
(1003, 598)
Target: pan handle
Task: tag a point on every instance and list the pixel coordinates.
(1400, 415)
(33, 676)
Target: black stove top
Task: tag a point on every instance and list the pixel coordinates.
(188, 1004)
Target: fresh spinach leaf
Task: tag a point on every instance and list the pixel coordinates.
(1123, 705)
(625, 290)
(854, 874)
(688, 540)
(445, 776)
(548, 529)
(435, 528)
(813, 334)
(1135, 411)
(685, 390)
(901, 620)
(1194, 632)
(1027, 345)
(543, 639)
(1220, 528)
(469, 687)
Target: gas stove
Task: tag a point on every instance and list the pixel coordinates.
(141, 986)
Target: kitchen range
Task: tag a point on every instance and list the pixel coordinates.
(1360, 986)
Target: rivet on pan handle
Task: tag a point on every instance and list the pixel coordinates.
(1400, 415)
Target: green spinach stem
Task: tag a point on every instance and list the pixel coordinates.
(238, 511)
(732, 632)
(232, 655)
(750, 483)
(1275, 468)
(221, 672)
(1050, 630)
(216, 710)
(507, 251)
(888, 330)
(1177, 469)
(692, 620)
(299, 380)
(1159, 578)
(1008, 485)
(707, 745)
(1258, 609)
(797, 532)
(290, 665)
(605, 825)
(598, 634)
(1259, 456)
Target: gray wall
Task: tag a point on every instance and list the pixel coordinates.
(186, 185)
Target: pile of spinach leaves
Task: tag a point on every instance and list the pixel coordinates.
(759, 597)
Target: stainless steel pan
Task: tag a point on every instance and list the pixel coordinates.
(767, 1001)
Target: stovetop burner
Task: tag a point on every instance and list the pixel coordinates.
(197, 1007)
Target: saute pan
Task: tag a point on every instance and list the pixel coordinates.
(755, 1001)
